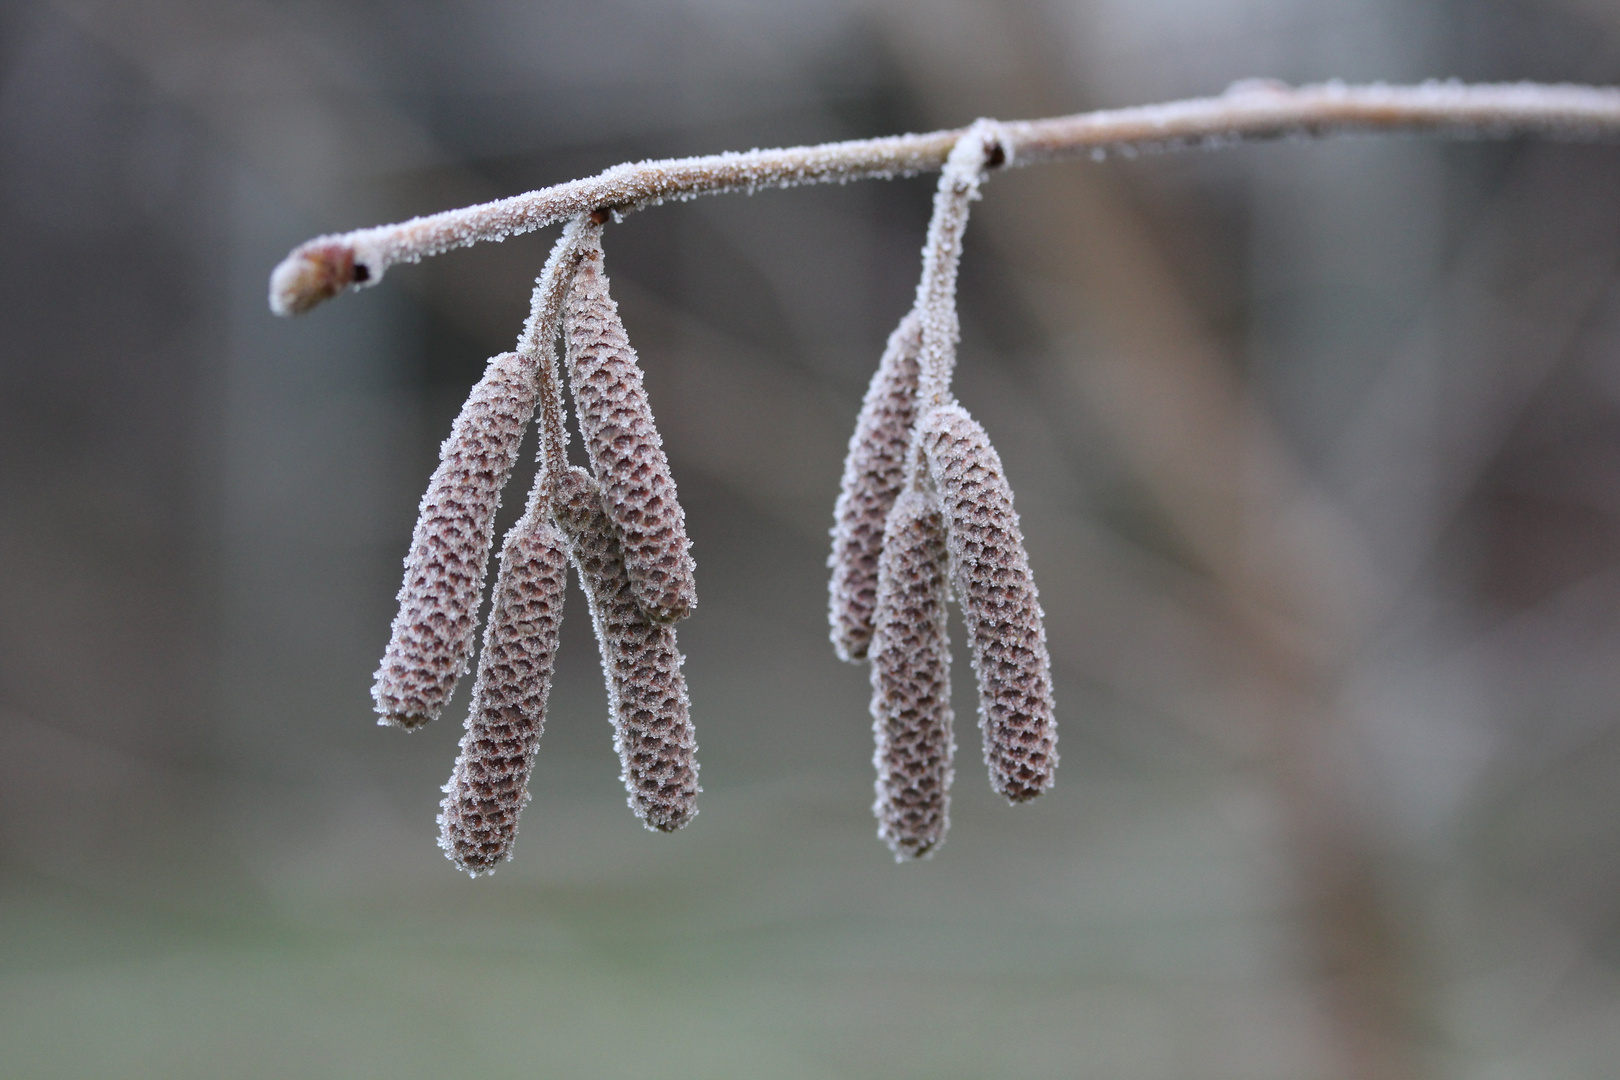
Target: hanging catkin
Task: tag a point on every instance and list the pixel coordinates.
(652, 729)
(874, 472)
(490, 783)
(911, 681)
(991, 579)
(433, 633)
(626, 453)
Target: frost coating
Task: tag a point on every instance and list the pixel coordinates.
(991, 579)
(490, 783)
(626, 453)
(874, 472)
(539, 339)
(432, 638)
(652, 727)
(959, 183)
(911, 681)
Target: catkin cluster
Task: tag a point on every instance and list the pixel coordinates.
(618, 524)
(925, 512)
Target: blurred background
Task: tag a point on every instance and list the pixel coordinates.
(1317, 448)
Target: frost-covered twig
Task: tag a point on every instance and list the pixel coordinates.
(1250, 110)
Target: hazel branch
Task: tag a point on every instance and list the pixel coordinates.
(1252, 110)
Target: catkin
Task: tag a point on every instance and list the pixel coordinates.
(911, 681)
(652, 727)
(432, 637)
(874, 471)
(490, 783)
(626, 453)
(991, 579)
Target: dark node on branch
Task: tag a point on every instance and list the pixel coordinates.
(362, 272)
(995, 156)
(601, 216)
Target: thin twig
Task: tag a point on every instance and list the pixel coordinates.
(539, 340)
(1250, 110)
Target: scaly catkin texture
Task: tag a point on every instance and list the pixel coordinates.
(626, 453)
(490, 784)
(991, 579)
(911, 681)
(432, 637)
(874, 471)
(652, 728)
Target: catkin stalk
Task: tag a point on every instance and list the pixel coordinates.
(874, 472)
(432, 637)
(652, 726)
(626, 453)
(991, 580)
(959, 183)
(911, 681)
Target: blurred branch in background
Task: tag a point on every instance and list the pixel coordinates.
(1317, 450)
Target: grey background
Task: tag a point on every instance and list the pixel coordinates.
(1317, 449)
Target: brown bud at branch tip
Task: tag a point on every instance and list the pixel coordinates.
(313, 274)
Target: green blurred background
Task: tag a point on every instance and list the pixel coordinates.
(1317, 448)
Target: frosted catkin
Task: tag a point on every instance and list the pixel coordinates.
(874, 472)
(490, 783)
(652, 726)
(991, 579)
(432, 637)
(626, 453)
(911, 681)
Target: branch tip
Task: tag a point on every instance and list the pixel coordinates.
(312, 275)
